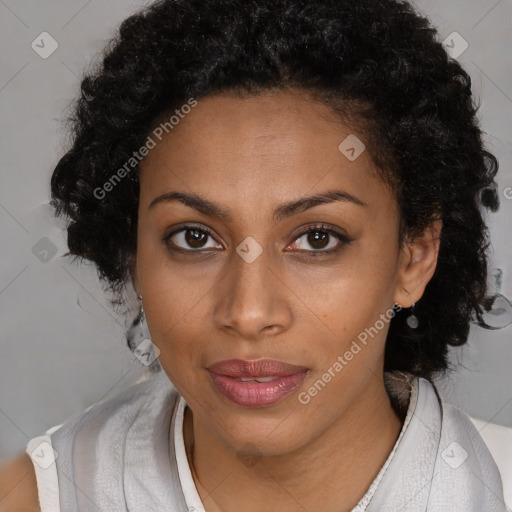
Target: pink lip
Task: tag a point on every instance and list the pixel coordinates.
(260, 368)
(226, 378)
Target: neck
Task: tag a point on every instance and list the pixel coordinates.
(332, 472)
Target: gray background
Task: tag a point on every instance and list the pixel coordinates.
(62, 347)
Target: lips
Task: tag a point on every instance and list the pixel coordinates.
(256, 383)
(240, 368)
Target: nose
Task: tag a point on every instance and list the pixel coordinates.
(252, 300)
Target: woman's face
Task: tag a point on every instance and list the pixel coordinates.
(241, 278)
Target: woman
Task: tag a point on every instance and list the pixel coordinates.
(294, 191)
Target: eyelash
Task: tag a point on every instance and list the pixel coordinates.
(324, 228)
(308, 254)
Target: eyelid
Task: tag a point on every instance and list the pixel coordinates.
(342, 238)
(189, 225)
(319, 226)
(185, 227)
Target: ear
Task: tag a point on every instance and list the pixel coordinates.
(418, 261)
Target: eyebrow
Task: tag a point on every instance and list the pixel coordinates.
(283, 211)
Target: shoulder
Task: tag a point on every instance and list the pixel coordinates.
(457, 424)
(18, 486)
(91, 439)
(473, 441)
(116, 414)
(462, 435)
(466, 461)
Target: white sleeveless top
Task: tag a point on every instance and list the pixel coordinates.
(127, 454)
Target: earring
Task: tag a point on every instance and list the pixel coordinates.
(412, 320)
(142, 321)
(146, 351)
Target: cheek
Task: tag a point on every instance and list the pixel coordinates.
(181, 344)
(348, 309)
(166, 300)
(351, 293)
(169, 289)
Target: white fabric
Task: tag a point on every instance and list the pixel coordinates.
(192, 497)
(411, 397)
(441, 464)
(499, 441)
(46, 476)
(127, 454)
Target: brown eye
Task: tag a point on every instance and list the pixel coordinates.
(195, 238)
(319, 239)
(190, 239)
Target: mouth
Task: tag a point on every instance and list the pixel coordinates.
(256, 383)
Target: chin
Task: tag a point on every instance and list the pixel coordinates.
(255, 437)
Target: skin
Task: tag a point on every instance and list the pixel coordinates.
(18, 486)
(250, 155)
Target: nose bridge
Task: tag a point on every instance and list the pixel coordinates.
(251, 269)
(252, 297)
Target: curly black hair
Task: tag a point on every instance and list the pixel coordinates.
(380, 64)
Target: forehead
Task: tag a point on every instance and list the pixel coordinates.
(280, 145)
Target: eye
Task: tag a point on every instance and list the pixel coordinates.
(190, 238)
(322, 239)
